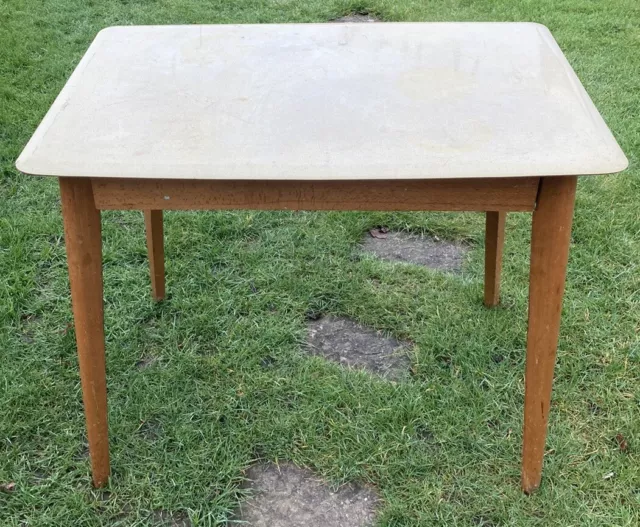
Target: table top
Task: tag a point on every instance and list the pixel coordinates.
(323, 102)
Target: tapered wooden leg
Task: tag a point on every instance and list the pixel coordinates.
(494, 243)
(155, 248)
(550, 237)
(84, 255)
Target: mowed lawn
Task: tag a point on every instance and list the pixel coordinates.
(214, 378)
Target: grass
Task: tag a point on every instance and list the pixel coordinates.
(224, 382)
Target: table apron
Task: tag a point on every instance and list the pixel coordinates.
(477, 194)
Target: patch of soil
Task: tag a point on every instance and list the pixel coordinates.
(353, 345)
(357, 17)
(421, 250)
(288, 496)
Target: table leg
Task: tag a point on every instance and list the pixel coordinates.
(155, 248)
(551, 234)
(494, 243)
(84, 255)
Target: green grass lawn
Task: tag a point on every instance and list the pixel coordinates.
(226, 382)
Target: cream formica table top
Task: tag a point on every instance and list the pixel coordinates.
(323, 102)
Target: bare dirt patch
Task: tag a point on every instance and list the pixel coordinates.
(351, 344)
(421, 250)
(288, 496)
(357, 17)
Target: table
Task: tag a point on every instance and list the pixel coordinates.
(483, 117)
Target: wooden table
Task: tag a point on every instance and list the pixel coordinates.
(483, 117)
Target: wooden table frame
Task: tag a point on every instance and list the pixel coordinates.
(551, 199)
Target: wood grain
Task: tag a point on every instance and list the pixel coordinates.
(82, 234)
(493, 248)
(507, 194)
(550, 238)
(155, 249)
